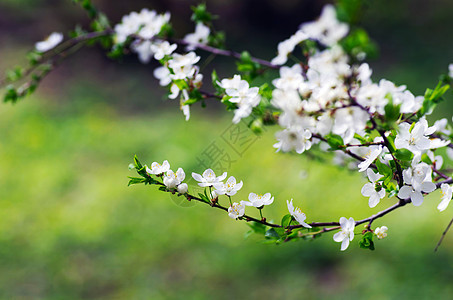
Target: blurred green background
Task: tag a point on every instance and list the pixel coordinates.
(70, 228)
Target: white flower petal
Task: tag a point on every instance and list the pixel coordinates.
(428, 187)
(197, 177)
(339, 237)
(443, 204)
(344, 244)
(417, 198)
(374, 200)
(343, 222)
(368, 189)
(405, 192)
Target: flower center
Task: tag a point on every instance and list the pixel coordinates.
(297, 210)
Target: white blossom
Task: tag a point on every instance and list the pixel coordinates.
(186, 111)
(370, 157)
(196, 81)
(146, 24)
(50, 42)
(162, 49)
(244, 96)
(409, 103)
(364, 74)
(182, 188)
(163, 75)
(441, 126)
(259, 201)
(229, 188)
(287, 46)
(450, 70)
(346, 234)
(182, 65)
(327, 29)
(349, 121)
(416, 139)
(446, 191)
(438, 143)
(373, 97)
(182, 60)
(290, 78)
(373, 189)
(297, 213)
(143, 49)
(200, 36)
(242, 93)
(157, 169)
(293, 138)
(381, 232)
(418, 180)
(236, 210)
(230, 83)
(172, 179)
(208, 178)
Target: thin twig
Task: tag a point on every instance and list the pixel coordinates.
(443, 235)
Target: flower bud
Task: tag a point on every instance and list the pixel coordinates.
(182, 188)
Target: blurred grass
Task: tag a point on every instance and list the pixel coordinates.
(70, 228)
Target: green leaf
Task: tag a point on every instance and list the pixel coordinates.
(266, 91)
(247, 66)
(349, 11)
(335, 141)
(392, 112)
(137, 163)
(390, 188)
(135, 180)
(166, 30)
(204, 198)
(215, 79)
(217, 39)
(286, 220)
(11, 94)
(432, 98)
(362, 139)
(140, 168)
(15, 74)
(100, 23)
(33, 58)
(272, 234)
(87, 6)
(404, 154)
(367, 241)
(117, 51)
(426, 159)
(257, 227)
(391, 139)
(181, 84)
(383, 169)
(358, 42)
(201, 14)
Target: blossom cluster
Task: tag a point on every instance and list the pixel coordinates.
(240, 93)
(179, 70)
(330, 101)
(326, 101)
(217, 187)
